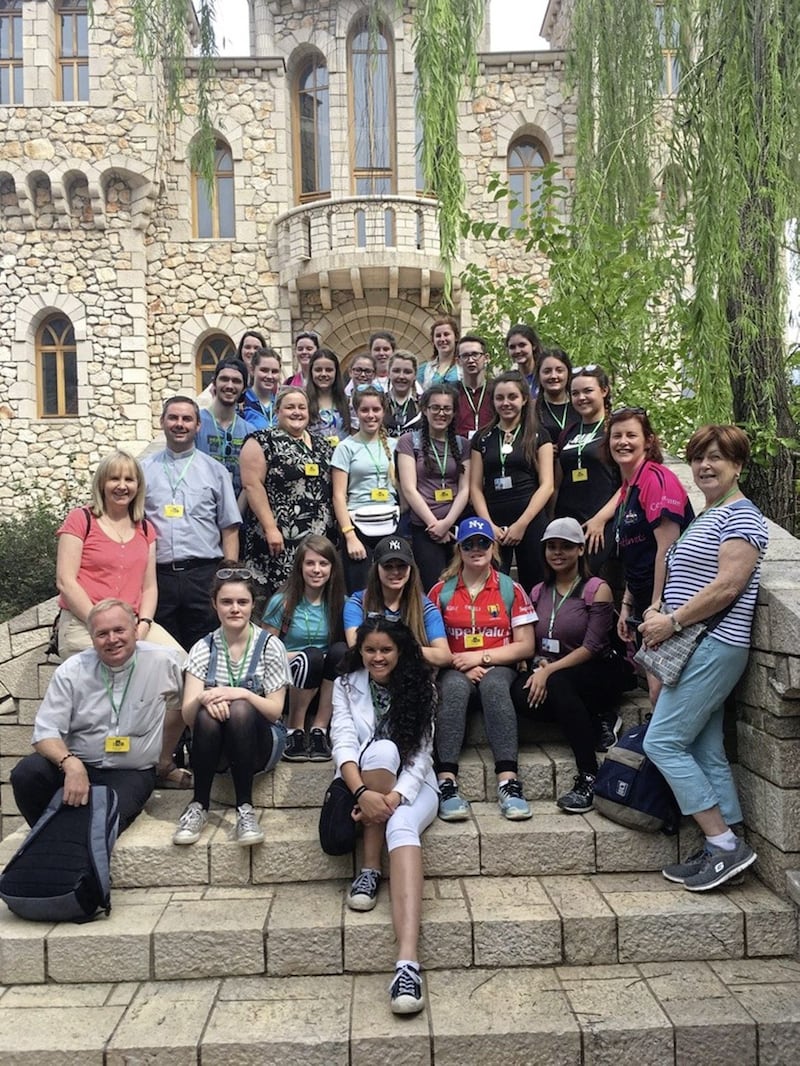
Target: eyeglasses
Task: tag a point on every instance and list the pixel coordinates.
(362, 370)
(375, 385)
(476, 544)
(437, 409)
(588, 369)
(471, 355)
(239, 575)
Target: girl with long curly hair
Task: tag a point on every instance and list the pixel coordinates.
(382, 733)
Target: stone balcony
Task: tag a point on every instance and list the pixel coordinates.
(360, 242)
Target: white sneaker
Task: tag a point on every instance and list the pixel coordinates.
(190, 824)
(248, 831)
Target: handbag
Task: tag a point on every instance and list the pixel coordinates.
(376, 519)
(667, 661)
(337, 830)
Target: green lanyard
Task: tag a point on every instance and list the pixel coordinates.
(582, 443)
(504, 444)
(266, 411)
(556, 607)
(476, 408)
(441, 460)
(399, 410)
(108, 681)
(381, 473)
(311, 636)
(560, 422)
(175, 485)
(235, 678)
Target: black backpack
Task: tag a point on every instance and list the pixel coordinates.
(630, 790)
(61, 872)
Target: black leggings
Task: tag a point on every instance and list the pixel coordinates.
(311, 666)
(430, 556)
(242, 743)
(575, 698)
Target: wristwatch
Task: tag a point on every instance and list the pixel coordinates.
(676, 626)
(486, 658)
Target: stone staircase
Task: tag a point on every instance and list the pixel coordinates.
(550, 941)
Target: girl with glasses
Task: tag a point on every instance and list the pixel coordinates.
(365, 498)
(307, 615)
(433, 467)
(233, 698)
(511, 476)
(328, 409)
(394, 590)
(489, 623)
(286, 475)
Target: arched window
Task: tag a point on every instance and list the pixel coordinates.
(10, 52)
(57, 368)
(215, 347)
(72, 20)
(526, 159)
(312, 123)
(213, 214)
(372, 124)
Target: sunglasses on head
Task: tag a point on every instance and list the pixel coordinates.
(376, 385)
(588, 369)
(476, 544)
(237, 574)
(629, 411)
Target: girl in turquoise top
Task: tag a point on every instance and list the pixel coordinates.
(307, 615)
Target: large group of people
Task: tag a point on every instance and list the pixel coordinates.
(321, 570)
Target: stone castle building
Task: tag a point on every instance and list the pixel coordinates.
(120, 283)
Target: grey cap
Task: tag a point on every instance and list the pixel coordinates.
(565, 529)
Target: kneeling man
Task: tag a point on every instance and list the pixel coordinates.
(106, 717)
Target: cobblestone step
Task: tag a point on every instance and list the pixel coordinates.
(649, 1014)
(306, 929)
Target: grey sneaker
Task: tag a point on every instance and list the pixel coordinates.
(248, 831)
(190, 824)
(679, 871)
(405, 991)
(580, 798)
(513, 804)
(363, 893)
(452, 806)
(720, 866)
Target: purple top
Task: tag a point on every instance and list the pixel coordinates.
(577, 623)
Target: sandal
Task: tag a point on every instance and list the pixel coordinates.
(175, 777)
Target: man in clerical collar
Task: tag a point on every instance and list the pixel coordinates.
(110, 716)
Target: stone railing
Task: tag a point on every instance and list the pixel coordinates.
(763, 728)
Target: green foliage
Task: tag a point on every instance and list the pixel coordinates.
(612, 297)
(28, 551)
(446, 34)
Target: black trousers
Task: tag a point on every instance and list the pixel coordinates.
(36, 780)
(184, 602)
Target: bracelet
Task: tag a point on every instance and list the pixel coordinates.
(359, 792)
(148, 620)
(627, 603)
(347, 529)
(69, 755)
(647, 610)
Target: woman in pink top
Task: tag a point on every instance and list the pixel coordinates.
(108, 550)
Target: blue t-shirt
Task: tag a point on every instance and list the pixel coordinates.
(224, 445)
(431, 615)
(308, 627)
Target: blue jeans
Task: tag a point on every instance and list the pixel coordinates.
(685, 738)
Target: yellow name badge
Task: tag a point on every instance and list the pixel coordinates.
(581, 474)
(443, 495)
(118, 745)
(173, 510)
(473, 640)
(312, 469)
(333, 441)
(379, 495)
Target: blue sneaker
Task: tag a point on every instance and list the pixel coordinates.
(513, 804)
(452, 806)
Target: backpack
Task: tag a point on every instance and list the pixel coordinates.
(506, 593)
(249, 680)
(61, 872)
(630, 790)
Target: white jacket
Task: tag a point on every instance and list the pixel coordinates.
(353, 727)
